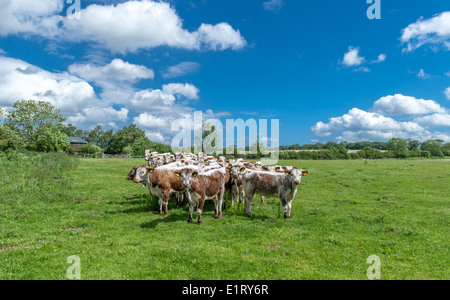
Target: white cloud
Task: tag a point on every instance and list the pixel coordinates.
(181, 69)
(405, 105)
(352, 58)
(447, 93)
(360, 125)
(273, 5)
(187, 90)
(434, 120)
(96, 115)
(30, 17)
(422, 74)
(434, 31)
(220, 37)
(359, 120)
(152, 100)
(21, 80)
(362, 69)
(116, 71)
(381, 58)
(121, 28)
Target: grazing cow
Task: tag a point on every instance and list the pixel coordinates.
(282, 185)
(201, 187)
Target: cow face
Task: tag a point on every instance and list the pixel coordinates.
(235, 172)
(140, 175)
(186, 176)
(296, 175)
(132, 174)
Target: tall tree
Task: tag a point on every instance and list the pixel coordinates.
(399, 147)
(123, 138)
(434, 147)
(32, 119)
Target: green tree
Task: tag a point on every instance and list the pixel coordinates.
(73, 131)
(91, 149)
(52, 139)
(32, 119)
(399, 147)
(123, 138)
(9, 139)
(434, 147)
(99, 137)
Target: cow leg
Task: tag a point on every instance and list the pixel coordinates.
(191, 212)
(263, 199)
(160, 202)
(285, 206)
(289, 209)
(200, 210)
(216, 207)
(166, 204)
(248, 203)
(220, 203)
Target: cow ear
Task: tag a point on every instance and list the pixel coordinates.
(288, 173)
(178, 174)
(305, 172)
(242, 170)
(246, 165)
(277, 169)
(195, 174)
(228, 170)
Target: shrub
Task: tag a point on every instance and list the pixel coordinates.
(9, 139)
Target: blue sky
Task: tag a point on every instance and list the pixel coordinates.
(322, 68)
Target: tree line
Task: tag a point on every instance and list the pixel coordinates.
(394, 148)
(38, 126)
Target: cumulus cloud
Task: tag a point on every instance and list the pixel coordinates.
(447, 93)
(181, 69)
(352, 58)
(220, 37)
(399, 104)
(186, 90)
(152, 100)
(434, 120)
(379, 125)
(96, 115)
(116, 71)
(359, 120)
(118, 27)
(382, 57)
(21, 80)
(434, 31)
(30, 17)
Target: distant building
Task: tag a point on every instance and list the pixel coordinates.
(76, 143)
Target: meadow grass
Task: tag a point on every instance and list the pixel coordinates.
(344, 212)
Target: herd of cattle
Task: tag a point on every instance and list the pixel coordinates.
(201, 177)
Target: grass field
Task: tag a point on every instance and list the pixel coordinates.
(344, 212)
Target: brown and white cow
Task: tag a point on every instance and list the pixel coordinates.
(201, 187)
(281, 185)
(163, 183)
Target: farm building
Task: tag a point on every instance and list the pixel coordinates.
(76, 143)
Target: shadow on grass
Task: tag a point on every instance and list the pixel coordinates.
(171, 218)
